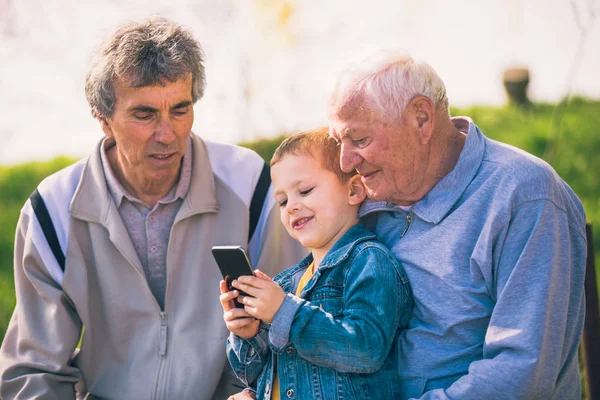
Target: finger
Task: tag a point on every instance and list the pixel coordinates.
(226, 299)
(251, 281)
(240, 319)
(247, 301)
(240, 323)
(228, 296)
(249, 289)
(252, 311)
(235, 313)
(226, 303)
(223, 286)
(262, 275)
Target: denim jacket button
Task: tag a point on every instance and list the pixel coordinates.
(290, 393)
(289, 350)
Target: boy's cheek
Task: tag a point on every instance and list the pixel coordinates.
(283, 217)
(287, 227)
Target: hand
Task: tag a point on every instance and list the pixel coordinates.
(236, 319)
(265, 296)
(246, 394)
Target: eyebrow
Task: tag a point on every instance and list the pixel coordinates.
(142, 108)
(146, 108)
(347, 132)
(182, 104)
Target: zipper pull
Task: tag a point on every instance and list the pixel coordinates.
(163, 334)
(408, 221)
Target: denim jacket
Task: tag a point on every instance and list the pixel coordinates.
(337, 339)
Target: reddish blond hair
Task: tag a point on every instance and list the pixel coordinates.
(318, 144)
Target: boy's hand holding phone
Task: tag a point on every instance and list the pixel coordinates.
(264, 296)
(234, 262)
(236, 319)
(256, 295)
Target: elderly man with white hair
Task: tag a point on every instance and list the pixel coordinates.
(492, 239)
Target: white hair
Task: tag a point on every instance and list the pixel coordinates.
(387, 81)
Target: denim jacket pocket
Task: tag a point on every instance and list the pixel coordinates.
(357, 387)
(329, 298)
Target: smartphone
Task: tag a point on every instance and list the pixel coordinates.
(233, 262)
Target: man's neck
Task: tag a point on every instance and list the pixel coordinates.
(445, 152)
(451, 145)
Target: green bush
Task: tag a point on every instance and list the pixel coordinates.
(16, 184)
(575, 159)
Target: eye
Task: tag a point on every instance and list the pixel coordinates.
(282, 203)
(180, 112)
(359, 142)
(307, 191)
(143, 116)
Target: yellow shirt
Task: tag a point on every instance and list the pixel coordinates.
(310, 271)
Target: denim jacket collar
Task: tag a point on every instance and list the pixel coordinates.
(441, 199)
(337, 254)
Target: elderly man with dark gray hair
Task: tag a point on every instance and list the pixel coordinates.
(117, 290)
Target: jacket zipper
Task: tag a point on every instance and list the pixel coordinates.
(162, 351)
(408, 222)
(162, 346)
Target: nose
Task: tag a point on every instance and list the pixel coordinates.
(349, 159)
(292, 206)
(164, 133)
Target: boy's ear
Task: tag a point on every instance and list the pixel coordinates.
(356, 190)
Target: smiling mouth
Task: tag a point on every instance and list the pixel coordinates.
(162, 156)
(300, 222)
(369, 175)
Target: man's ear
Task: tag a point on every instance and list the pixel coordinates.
(356, 190)
(421, 111)
(105, 125)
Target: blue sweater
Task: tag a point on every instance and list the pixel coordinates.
(495, 254)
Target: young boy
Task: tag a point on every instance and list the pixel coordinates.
(325, 328)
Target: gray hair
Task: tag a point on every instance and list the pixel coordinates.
(143, 54)
(387, 81)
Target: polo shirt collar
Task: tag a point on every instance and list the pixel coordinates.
(445, 194)
(118, 192)
(92, 200)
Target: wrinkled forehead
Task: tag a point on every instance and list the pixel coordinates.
(347, 106)
(363, 119)
(338, 129)
(343, 122)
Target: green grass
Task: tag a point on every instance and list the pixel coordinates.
(575, 157)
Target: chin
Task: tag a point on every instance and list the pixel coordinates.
(165, 174)
(308, 243)
(375, 195)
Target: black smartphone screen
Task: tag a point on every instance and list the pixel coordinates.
(233, 263)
